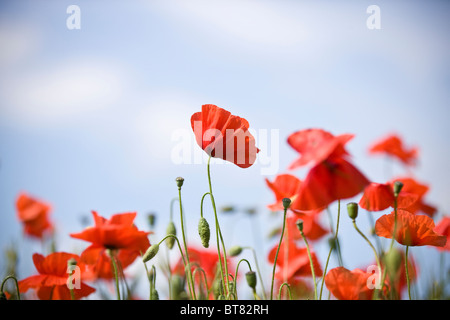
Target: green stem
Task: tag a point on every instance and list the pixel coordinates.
(218, 235)
(204, 280)
(311, 264)
(116, 275)
(190, 283)
(407, 272)
(276, 255)
(15, 281)
(288, 290)
(370, 244)
(236, 274)
(331, 249)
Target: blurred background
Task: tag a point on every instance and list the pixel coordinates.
(93, 118)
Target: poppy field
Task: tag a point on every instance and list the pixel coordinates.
(215, 270)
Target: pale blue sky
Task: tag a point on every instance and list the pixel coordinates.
(87, 116)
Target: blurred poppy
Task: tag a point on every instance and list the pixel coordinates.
(393, 146)
(34, 215)
(283, 186)
(380, 196)
(412, 186)
(52, 281)
(312, 229)
(328, 181)
(443, 227)
(117, 234)
(223, 135)
(412, 230)
(293, 261)
(349, 285)
(316, 145)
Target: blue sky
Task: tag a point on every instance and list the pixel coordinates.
(88, 116)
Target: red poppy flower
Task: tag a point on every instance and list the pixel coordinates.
(349, 285)
(223, 135)
(412, 186)
(283, 186)
(316, 145)
(443, 227)
(393, 146)
(328, 181)
(52, 281)
(412, 230)
(118, 234)
(293, 261)
(34, 215)
(379, 196)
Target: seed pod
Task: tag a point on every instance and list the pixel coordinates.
(204, 232)
(352, 209)
(170, 241)
(235, 251)
(286, 203)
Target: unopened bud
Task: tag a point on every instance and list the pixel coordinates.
(204, 232)
(299, 224)
(352, 209)
(151, 217)
(170, 241)
(154, 295)
(179, 181)
(235, 251)
(398, 185)
(251, 279)
(151, 252)
(286, 203)
(332, 243)
(71, 262)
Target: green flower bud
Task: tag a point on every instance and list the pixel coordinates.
(251, 279)
(398, 185)
(235, 251)
(151, 252)
(71, 262)
(332, 243)
(352, 209)
(217, 288)
(204, 232)
(286, 203)
(154, 295)
(299, 224)
(226, 209)
(170, 241)
(151, 217)
(179, 181)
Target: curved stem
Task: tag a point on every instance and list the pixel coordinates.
(236, 273)
(370, 244)
(407, 272)
(190, 283)
(311, 264)
(204, 279)
(259, 272)
(276, 255)
(288, 290)
(15, 281)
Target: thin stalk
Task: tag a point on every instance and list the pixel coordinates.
(407, 272)
(288, 290)
(15, 281)
(258, 271)
(116, 275)
(311, 264)
(276, 255)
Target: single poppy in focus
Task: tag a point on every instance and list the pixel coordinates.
(293, 261)
(117, 234)
(316, 145)
(414, 187)
(223, 135)
(412, 230)
(443, 227)
(52, 282)
(393, 146)
(349, 285)
(331, 180)
(380, 196)
(34, 215)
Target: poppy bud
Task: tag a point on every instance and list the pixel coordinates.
(204, 232)
(229, 209)
(299, 224)
(398, 185)
(286, 203)
(217, 288)
(151, 252)
(251, 279)
(352, 209)
(171, 230)
(235, 251)
(332, 243)
(3, 296)
(151, 219)
(71, 262)
(179, 181)
(154, 295)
